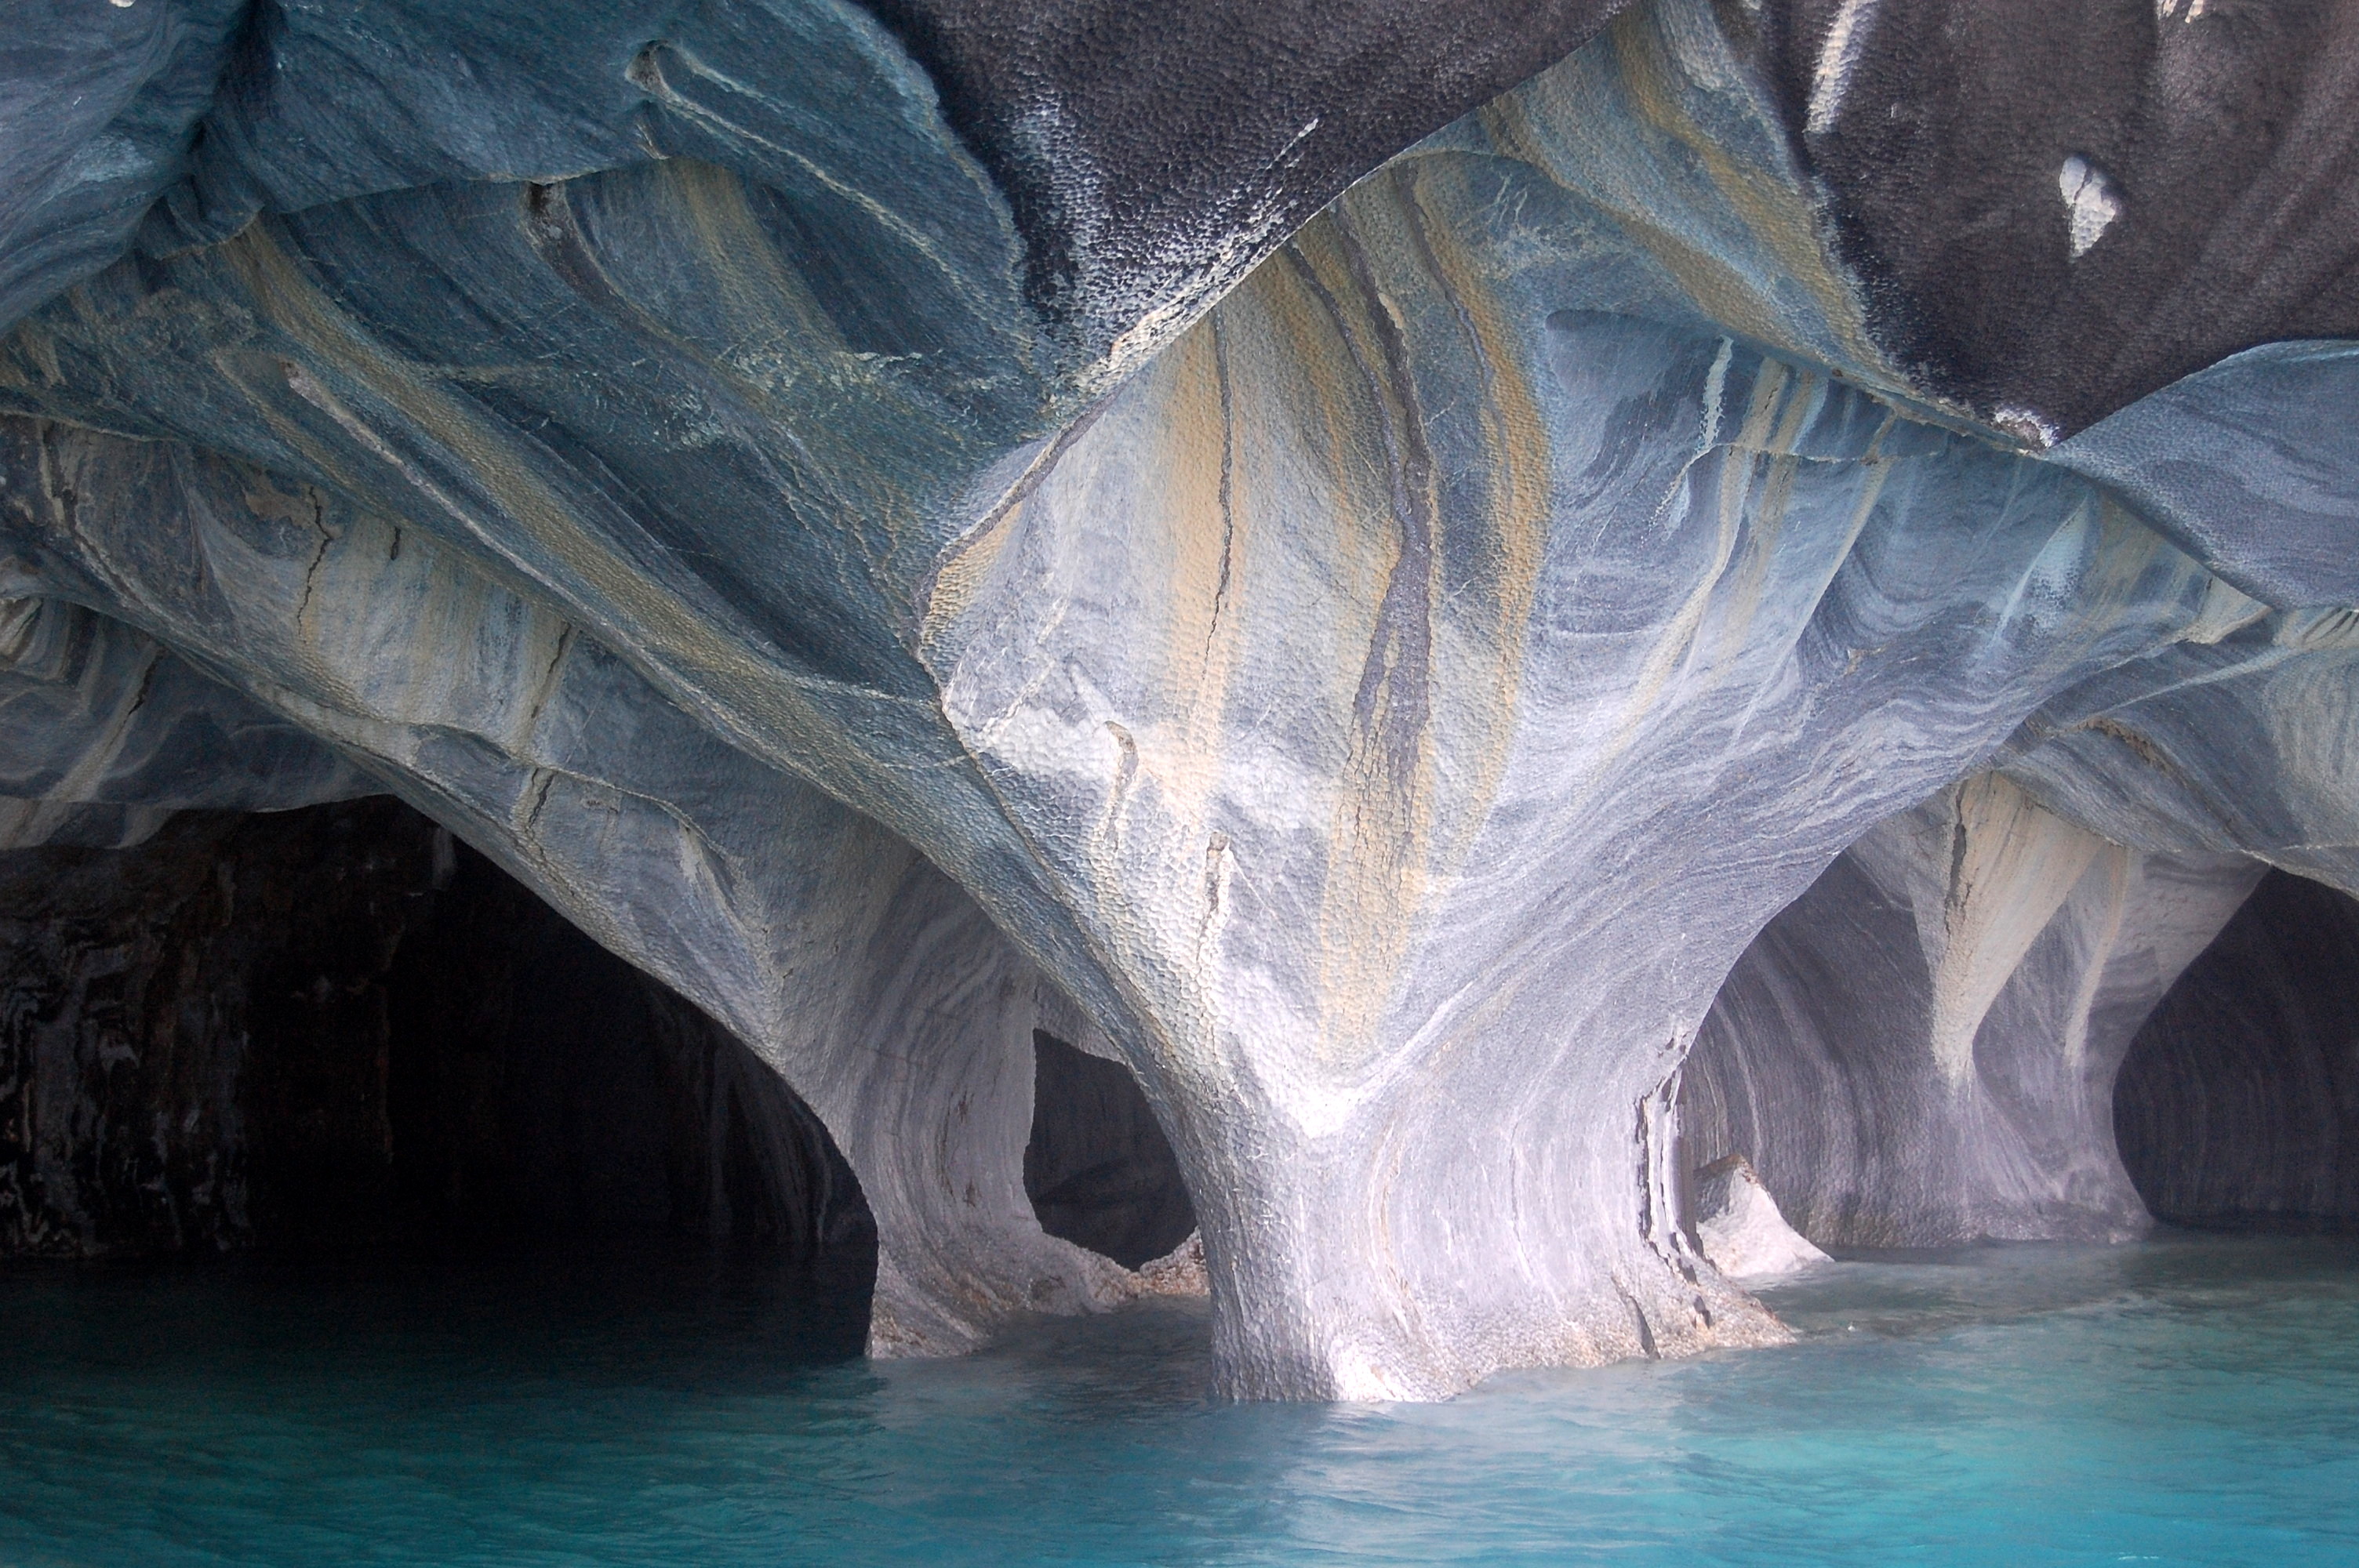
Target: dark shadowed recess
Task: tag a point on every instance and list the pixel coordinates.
(336, 1029)
(2221, 136)
(1138, 140)
(1811, 1065)
(2239, 1102)
(1098, 1170)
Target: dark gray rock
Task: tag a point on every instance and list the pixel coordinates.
(328, 1029)
(1151, 152)
(194, 1049)
(2056, 208)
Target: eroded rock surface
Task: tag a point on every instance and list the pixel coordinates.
(2239, 1099)
(891, 532)
(1921, 1050)
(1740, 1226)
(107, 734)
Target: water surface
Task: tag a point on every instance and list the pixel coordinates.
(2192, 1400)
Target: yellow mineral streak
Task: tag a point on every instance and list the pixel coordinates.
(1202, 571)
(1380, 836)
(1723, 293)
(1487, 624)
(1770, 204)
(684, 637)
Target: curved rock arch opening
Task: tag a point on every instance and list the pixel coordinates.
(336, 1027)
(2238, 1104)
(1097, 1168)
(1922, 1049)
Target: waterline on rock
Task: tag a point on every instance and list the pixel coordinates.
(2194, 1398)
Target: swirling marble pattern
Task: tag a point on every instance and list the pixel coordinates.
(1374, 676)
(875, 987)
(1920, 1051)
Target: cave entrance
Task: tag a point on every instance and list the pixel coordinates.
(538, 1086)
(336, 1029)
(1097, 1168)
(2238, 1103)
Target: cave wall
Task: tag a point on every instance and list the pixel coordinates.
(538, 1086)
(2239, 1101)
(105, 733)
(197, 1031)
(874, 984)
(1920, 1051)
(885, 543)
(335, 1027)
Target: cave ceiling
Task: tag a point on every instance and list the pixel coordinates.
(1349, 559)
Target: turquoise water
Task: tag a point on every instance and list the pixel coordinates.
(2188, 1401)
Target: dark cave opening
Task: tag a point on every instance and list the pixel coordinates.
(1097, 1168)
(337, 1029)
(2238, 1104)
(539, 1084)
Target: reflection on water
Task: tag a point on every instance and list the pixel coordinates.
(2192, 1400)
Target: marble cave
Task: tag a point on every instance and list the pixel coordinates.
(1442, 683)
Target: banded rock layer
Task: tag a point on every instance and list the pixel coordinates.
(873, 526)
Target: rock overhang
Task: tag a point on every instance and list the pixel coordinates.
(1385, 687)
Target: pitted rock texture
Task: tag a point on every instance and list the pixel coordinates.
(2057, 209)
(2239, 1102)
(910, 558)
(1921, 1050)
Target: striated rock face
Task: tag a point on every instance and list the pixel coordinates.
(107, 733)
(2239, 1099)
(818, 939)
(1921, 1050)
(927, 528)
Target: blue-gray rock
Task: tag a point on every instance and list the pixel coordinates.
(107, 733)
(877, 989)
(1376, 692)
(1920, 1051)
